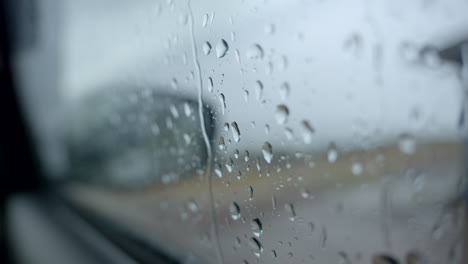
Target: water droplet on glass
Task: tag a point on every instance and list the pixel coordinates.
(187, 139)
(273, 202)
(305, 193)
(237, 54)
(218, 170)
(229, 166)
(290, 210)
(206, 48)
(192, 206)
(323, 237)
(258, 89)
(281, 114)
(174, 84)
(289, 133)
(284, 91)
(419, 182)
(251, 190)
(210, 84)
(267, 129)
(234, 209)
(307, 131)
(246, 95)
(430, 55)
(174, 111)
(222, 100)
(255, 51)
(205, 20)
(332, 154)
(257, 228)
(246, 156)
(221, 144)
(187, 109)
(406, 144)
(233, 36)
(235, 132)
(221, 48)
(256, 246)
(226, 126)
(267, 152)
(236, 154)
(356, 168)
(353, 44)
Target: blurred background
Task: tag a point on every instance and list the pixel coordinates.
(234, 131)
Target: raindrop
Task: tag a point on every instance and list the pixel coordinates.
(284, 91)
(281, 114)
(257, 163)
(273, 254)
(236, 154)
(251, 190)
(246, 96)
(206, 48)
(226, 126)
(356, 168)
(205, 20)
(257, 228)
(229, 166)
(221, 48)
(258, 89)
(221, 144)
(307, 131)
(406, 144)
(289, 133)
(267, 129)
(234, 209)
(323, 237)
(344, 259)
(290, 210)
(237, 54)
(218, 170)
(222, 100)
(192, 206)
(305, 193)
(187, 109)
(233, 36)
(174, 111)
(332, 154)
(235, 132)
(419, 181)
(256, 246)
(255, 52)
(210, 84)
(273, 202)
(174, 84)
(267, 151)
(187, 139)
(430, 55)
(246, 156)
(353, 44)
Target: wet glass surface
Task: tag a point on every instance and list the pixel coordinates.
(260, 131)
